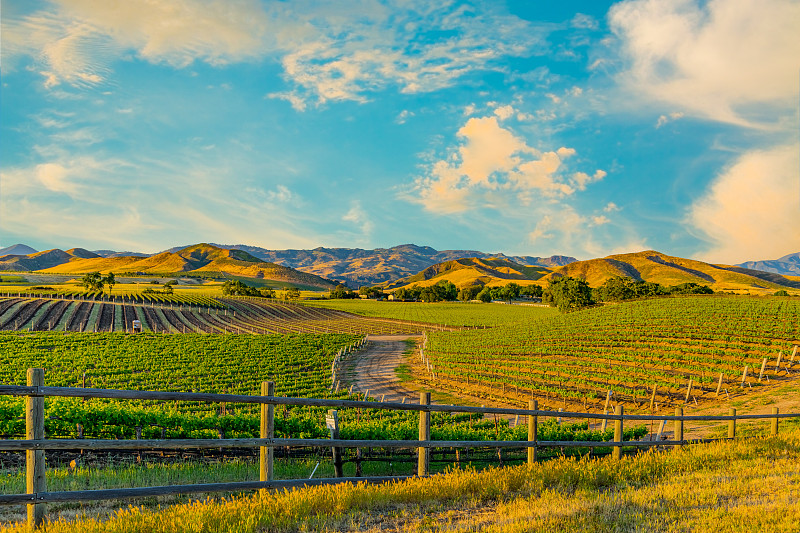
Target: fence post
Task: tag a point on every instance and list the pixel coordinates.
(617, 453)
(679, 424)
(774, 424)
(34, 459)
(423, 460)
(267, 432)
(732, 424)
(533, 427)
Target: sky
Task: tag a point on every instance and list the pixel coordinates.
(583, 128)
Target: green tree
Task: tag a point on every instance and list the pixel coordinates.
(266, 292)
(292, 293)
(568, 294)
(92, 281)
(534, 291)
(485, 295)
(110, 281)
(445, 290)
(469, 293)
(341, 292)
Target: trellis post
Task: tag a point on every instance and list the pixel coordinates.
(34, 459)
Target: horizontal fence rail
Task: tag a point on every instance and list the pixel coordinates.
(35, 444)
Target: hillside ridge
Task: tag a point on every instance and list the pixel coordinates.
(657, 267)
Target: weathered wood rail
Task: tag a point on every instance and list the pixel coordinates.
(35, 444)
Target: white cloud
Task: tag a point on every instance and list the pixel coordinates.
(403, 116)
(733, 61)
(752, 210)
(281, 194)
(503, 112)
(581, 179)
(599, 220)
(492, 160)
(663, 119)
(359, 217)
(611, 207)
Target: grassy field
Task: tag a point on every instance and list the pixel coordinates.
(732, 486)
(445, 313)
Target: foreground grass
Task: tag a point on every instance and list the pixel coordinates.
(727, 486)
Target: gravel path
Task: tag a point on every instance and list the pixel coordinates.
(374, 370)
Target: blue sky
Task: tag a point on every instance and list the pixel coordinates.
(536, 128)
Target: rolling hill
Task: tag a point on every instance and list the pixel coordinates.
(473, 271)
(667, 270)
(197, 259)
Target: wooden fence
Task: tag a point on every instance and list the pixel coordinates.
(35, 444)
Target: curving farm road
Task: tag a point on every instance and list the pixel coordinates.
(374, 370)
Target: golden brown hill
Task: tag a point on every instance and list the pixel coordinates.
(200, 258)
(668, 270)
(474, 271)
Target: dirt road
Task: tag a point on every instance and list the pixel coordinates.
(374, 370)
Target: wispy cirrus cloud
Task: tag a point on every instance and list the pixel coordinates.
(341, 53)
(77, 42)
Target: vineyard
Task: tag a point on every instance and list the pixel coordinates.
(454, 314)
(183, 314)
(666, 351)
(234, 364)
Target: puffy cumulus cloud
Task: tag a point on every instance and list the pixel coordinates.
(492, 159)
(733, 61)
(599, 220)
(504, 112)
(611, 207)
(751, 210)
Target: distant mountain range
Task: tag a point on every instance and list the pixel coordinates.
(359, 267)
(788, 265)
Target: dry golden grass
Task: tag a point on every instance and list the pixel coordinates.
(744, 485)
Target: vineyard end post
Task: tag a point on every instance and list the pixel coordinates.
(533, 426)
(332, 422)
(732, 424)
(774, 422)
(423, 460)
(267, 454)
(679, 424)
(34, 430)
(617, 453)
